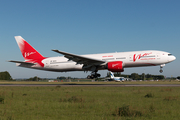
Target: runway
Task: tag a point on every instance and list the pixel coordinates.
(96, 85)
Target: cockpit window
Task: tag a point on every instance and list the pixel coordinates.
(169, 54)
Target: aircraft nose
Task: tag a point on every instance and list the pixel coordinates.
(172, 58)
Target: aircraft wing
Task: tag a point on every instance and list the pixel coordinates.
(27, 63)
(80, 59)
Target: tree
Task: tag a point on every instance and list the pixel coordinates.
(34, 79)
(148, 76)
(61, 78)
(135, 76)
(143, 76)
(5, 76)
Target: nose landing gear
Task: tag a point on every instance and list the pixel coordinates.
(161, 66)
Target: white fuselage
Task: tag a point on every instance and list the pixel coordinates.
(129, 59)
(118, 79)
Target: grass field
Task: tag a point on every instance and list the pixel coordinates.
(89, 103)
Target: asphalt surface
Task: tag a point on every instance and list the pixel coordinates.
(97, 85)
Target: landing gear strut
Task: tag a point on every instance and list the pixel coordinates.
(161, 66)
(93, 75)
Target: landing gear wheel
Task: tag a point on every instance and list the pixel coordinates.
(160, 71)
(98, 75)
(93, 75)
(88, 77)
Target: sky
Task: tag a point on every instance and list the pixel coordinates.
(88, 27)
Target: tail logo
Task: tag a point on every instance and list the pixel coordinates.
(26, 54)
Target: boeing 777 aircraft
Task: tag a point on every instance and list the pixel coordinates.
(115, 62)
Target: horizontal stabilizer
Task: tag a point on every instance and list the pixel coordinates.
(27, 63)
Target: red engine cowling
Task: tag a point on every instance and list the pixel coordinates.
(116, 66)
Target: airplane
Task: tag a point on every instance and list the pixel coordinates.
(118, 79)
(115, 62)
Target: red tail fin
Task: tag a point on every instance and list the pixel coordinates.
(28, 52)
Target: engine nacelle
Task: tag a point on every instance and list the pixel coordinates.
(116, 66)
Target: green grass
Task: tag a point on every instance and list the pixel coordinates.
(89, 103)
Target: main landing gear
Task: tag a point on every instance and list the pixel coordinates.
(161, 66)
(94, 75)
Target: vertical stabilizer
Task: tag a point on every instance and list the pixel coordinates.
(112, 75)
(28, 52)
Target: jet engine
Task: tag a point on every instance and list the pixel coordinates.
(115, 66)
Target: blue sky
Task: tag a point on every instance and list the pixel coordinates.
(89, 26)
